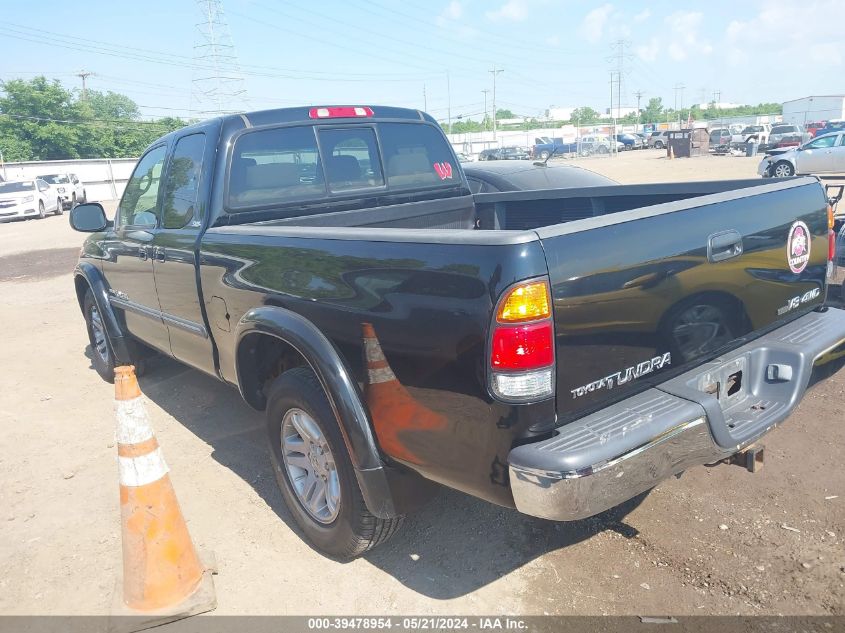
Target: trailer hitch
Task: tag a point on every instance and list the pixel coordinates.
(751, 458)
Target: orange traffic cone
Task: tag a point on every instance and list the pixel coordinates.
(392, 408)
(671, 153)
(163, 578)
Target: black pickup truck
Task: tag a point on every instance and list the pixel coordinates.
(558, 351)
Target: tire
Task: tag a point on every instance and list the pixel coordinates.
(658, 145)
(297, 400)
(603, 150)
(699, 325)
(102, 355)
(784, 167)
(84, 196)
(544, 155)
(41, 211)
(73, 201)
(60, 207)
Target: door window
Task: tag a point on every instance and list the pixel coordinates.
(182, 182)
(138, 207)
(823, 142)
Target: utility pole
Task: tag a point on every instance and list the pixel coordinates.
(485, 91)
(449, 101)
(639, 95)
(84, 74)
(494, 72)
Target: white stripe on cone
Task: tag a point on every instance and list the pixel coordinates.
(372, 349)
(382, 374)
(133, 425)
(142, 470)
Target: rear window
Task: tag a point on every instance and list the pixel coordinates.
(280, 165)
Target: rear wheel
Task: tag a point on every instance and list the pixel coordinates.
(73, 200)
(783, 169)
(314, 471)
(603, 149)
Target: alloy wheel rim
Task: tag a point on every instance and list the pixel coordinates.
(700, 329)
(99, 334)
(310, 466)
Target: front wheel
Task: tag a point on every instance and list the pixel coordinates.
(603, 149)
(658, 145)
(544, 155)
(60, 207)
(783, 169)
(73, 201)
(314, 471)
(102, 356)
(41, 211)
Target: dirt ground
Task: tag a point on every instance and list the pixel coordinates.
(716, 541)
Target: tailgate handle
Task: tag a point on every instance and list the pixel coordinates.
(724, 245)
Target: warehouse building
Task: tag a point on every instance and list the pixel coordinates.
(816, 108)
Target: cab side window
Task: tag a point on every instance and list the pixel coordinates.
(139, 205)
(182, 183)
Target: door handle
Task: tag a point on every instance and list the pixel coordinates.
(143, 254)
(724, 245)
(159, 253)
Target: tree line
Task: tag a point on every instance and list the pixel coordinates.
(41, 120)
(654, 112)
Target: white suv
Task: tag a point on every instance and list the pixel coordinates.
(67, 187)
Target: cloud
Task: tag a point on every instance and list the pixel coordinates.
(553, 41)
(453, 11)
(682, 28)
(648, 52)
(515, 10)
(781, 31)
(642, 16)
(592, 27)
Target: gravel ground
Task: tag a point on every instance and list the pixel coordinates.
(716, 541)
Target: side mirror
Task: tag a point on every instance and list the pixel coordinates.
(88, 218)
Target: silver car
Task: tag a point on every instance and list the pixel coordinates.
(822, 155)
(658, 140)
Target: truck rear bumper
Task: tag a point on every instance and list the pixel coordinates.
(700, 417)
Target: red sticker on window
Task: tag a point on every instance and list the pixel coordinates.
(444, 170)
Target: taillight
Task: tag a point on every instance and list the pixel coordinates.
(831, 235)
(340, 112)
(522, 344)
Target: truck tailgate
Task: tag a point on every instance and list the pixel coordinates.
(643, 295)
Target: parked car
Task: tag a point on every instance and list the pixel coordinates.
(643, 138)
(68, 187)
(658, 139)
(27, 198)
(821, 155)
(597, 144)
(786, 136)
(834, 125)
(511, 176)
(813, 127)
(629, 141)
(557, 351)
(545, 147)
(756, 133)
(504, 153)
(720, 136)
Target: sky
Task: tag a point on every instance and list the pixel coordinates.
(436, 54)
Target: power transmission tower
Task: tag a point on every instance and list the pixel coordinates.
(619, 56)
(679, 87)
(485, 91)
(494, 72)
(84, 74)
(218, 85)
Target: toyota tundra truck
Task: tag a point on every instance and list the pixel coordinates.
(554, 351)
